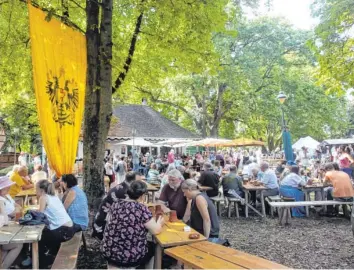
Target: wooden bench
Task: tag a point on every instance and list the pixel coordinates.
(285, 219)
(207, 255)
(231, 201)
(68, 253)
(217, 201)
(275, 198)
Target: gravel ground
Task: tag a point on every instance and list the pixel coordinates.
(307, 243)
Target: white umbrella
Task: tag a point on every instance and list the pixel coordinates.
(172, 142)
(136, 142)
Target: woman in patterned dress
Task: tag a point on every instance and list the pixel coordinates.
(125, 236)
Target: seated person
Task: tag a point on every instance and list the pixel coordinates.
(289, 187)
(60, 228)
(172, 194)
(21, 180)
(232, 184)
(201, 211)
(7, 210)
(153, 174)
(125, 241)
(75, 202)
(269, 179)
(118, 192)
(217, 168)
(38, 174)
(342, 188)
(209, 178)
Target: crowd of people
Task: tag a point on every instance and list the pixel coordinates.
(123, 220)
(62, 207)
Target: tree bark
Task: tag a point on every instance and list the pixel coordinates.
(98, 101)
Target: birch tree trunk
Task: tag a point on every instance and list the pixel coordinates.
(98, 102)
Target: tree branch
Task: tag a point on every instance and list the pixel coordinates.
(119, 81)
(77, 4)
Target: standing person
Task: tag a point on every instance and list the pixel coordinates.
(122, 168)
(135, 159)
(116, 159)
(304, 157)
(158, 163)
(125, 241)
(60, 228)
(75, 202)
(219, 156)
(345, 160)
(171, 157)
(209, 178)
(8, 209)
(109, 171)
(22, 159)
(201, 211)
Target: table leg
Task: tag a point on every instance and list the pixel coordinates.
(158, 256)
(307, 196)
(153, 196)
(35, 256)
(246, 205)
(323, 199)
(263, 205)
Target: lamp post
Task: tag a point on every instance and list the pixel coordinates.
(282, 97)
(16, 130)
(133, 133)
(288, 151)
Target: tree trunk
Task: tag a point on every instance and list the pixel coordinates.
(98, 102)
(214, 132)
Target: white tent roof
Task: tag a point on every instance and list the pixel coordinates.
(308, 142)
(339, 141)
(136, 142)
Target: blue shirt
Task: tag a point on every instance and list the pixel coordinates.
(269, 179)
(78, 209)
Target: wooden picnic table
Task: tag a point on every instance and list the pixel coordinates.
(152, 189)
(313, 188)
(172, 235)
(25, 194)
(250, 187)
(207, 255)
(14, 233)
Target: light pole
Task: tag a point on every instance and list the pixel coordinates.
(288, 151)
(133, 133)
(282, 97)
(16, 130)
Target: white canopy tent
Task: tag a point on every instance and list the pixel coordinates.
(137, 142)
(307, 142)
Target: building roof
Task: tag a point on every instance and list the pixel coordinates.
(147, 122)
(339, 141)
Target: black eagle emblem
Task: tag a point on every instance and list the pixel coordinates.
(64, 96)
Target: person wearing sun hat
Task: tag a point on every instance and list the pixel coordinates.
(8, 209)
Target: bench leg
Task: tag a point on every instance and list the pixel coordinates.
(158, 256)
(263, 204)
(229, 210)
(271, 211)
(218, 208)
(236, 210)
(307, 198)
(84, 241)
(246, 205)
(280, 214)
(288, 219)
(35, 256)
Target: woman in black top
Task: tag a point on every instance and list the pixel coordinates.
(200, 212)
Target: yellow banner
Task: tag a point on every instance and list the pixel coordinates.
(59, 73)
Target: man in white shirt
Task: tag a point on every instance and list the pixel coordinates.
(22, 160)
